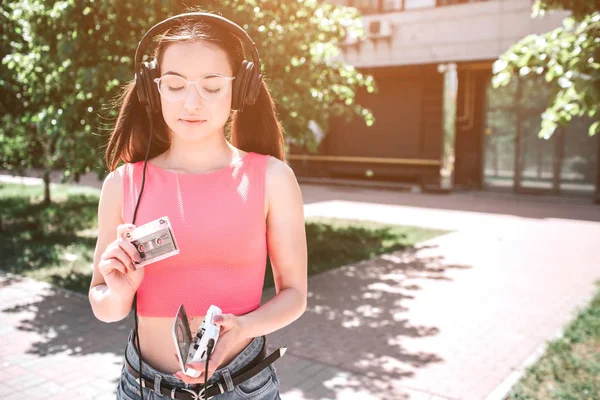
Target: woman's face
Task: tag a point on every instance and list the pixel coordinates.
(192, 61)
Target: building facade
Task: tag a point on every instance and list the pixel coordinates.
(438, 121)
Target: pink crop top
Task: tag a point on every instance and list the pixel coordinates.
(219, 224)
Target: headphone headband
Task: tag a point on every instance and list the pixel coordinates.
(162, 26)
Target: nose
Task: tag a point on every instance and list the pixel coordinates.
(193, 100)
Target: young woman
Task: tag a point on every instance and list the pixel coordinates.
(219, 175)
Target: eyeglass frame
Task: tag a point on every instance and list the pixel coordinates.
(188, 82)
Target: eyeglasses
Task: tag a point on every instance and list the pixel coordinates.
(211, 87)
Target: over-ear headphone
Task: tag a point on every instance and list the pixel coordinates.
(246, 84)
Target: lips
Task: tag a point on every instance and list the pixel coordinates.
(192, 122)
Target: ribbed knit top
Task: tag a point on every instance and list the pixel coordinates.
(218, 221)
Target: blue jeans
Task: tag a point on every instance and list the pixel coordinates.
(262, 386)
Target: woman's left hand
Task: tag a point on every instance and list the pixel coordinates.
(230, 335)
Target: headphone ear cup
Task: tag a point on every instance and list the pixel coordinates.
(140, 87)
(254, 87)
(154, 93)
(240, 86)
(149, 72)
(147, 88)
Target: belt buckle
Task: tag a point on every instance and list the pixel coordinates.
(197, 396)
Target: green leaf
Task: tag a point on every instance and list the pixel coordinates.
(594, 128)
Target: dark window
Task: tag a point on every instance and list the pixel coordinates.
(368, 6)
(392, 5)
(384, 6)
(452, 2)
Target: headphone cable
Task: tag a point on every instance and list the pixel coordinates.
(211, 343)
(137, 335)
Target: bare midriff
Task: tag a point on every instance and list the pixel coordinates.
(158, 348)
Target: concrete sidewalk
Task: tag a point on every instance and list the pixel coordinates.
(455, 318)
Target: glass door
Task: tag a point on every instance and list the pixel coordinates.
(499, 140)
(516, 157)
(579, 157)
(537, 157)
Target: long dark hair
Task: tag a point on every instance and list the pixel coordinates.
(256, 129)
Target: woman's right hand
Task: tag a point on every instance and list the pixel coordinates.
(117, 264)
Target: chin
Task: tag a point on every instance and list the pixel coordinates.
(190, 133)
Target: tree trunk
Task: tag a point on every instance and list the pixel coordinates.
(46, 179)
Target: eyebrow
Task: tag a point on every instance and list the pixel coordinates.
(208, 76)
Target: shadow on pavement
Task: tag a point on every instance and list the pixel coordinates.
(65, 323)
(356, 320)
(51, 335)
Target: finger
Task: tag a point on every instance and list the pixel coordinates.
(198, 366)
(130, 250)
(124, 228)
(122, 256)
(108, 266)
(201, 366)
(224, 320)
(223, 346)
(188, 379)
(180, 375)
(199, 379)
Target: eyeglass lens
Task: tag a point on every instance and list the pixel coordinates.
(175, 88)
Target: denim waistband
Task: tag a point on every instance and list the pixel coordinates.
(247, 354)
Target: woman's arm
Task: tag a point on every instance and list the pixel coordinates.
(107, 305)
(286, 237)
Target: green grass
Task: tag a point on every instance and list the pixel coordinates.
(55, 244)
(570, 367)
(52, 243)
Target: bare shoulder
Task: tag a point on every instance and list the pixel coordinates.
(281, 183)
(112, 191)
(114, 180)
(278, 172)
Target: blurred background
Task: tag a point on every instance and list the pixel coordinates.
(439, 121)
(398, 91)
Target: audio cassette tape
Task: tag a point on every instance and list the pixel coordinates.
(153, 241)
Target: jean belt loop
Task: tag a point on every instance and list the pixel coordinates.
(228, 381)
(157, 380)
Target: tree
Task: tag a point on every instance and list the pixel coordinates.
(72, 57)
(13, 147)
(62, 76)
(567, 57)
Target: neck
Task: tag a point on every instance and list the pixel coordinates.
(206, 155)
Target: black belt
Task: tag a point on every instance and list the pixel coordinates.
(254, 367)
